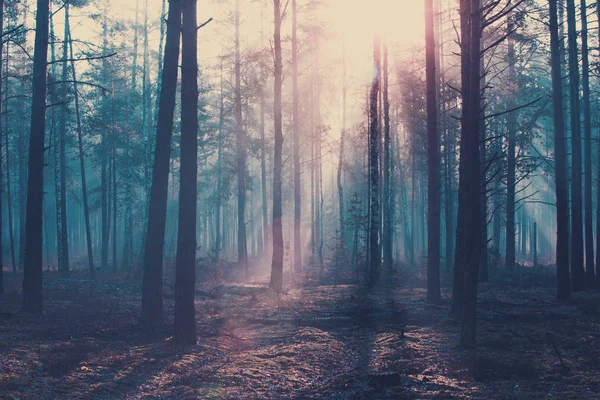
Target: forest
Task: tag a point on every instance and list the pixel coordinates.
(312, 199)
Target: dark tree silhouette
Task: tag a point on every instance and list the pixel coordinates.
(152, 296)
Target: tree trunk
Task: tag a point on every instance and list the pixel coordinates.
(433, 199)
(241, 150)
(64, 233)
(483, 267)
(32, 278)
(510, 256)
(7, 176)
(468, 241)
(8, 183)
(219, 174)
(152, 304)
(387, 171)
(374, 251)
(185, 267)
(296, 136)
(598, 198)
(276, 283)
(577, 271)
(587, 140)
(563, 287)
(86, 208)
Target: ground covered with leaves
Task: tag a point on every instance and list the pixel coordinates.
(317, 340)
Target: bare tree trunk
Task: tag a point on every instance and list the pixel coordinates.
(64, 234)
(185, 274)
(296, 136)
(577, 271)
(219, 174)
(510, 256)
(374, 251)
(340, 168)
(276, 283)
(387, 198)
(433, 190)
(241, 150)
(563, 287)
(587, 140)
(8, 183)
(468, 241)
(86, 208)
(152, 304)
(7, 176)
(483, 268)
(32, 278)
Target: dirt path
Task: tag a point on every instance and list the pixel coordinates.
(329, 341)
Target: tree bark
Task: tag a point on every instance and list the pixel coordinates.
(296, 136)
(587, 140)
(185, 267)
(32, 278)
(433, 199)
(577, 271)
(511, 122)
(86, 208)
(276, 283)
(241, 150)
(563, 287)
(387, 171)
(152, 304)
(374, 250)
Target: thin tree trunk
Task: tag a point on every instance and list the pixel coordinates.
(152, 304)
(375, 261)
(387, 198)
(32, 278)
(510, 256)
(563, 287)
(587, 140)
(7, 176)
(577, 271)
(276, 283)
(64, 233)
(241, 150)
(296, 136)
(340, 168)
(483, 268)
(219, 174)
(8, 184)
(433, 190)
(86, 209)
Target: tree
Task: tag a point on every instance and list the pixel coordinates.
(7, 176)
(468, 242)
(185, 274)
(276, 283)
(86, 207)
(241, 150)
(433, 206)
(32, 277)
(511, 127)
(577, 271)
(296, 138)
(64, 234)
(587, 140)
(375, 258)
(152, 304)
(388, 217)
(563, 287)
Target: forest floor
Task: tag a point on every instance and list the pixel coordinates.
(318, 340)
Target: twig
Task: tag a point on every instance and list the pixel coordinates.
(556, 349)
